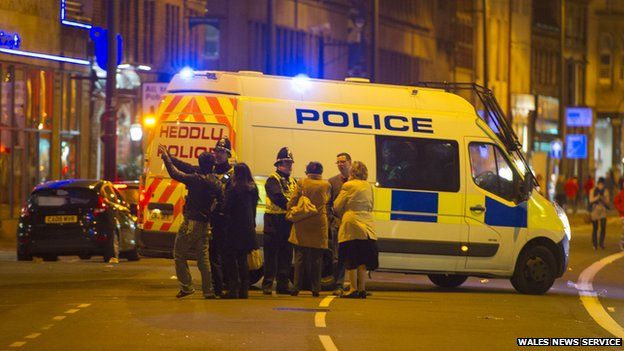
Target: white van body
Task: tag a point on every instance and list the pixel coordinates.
(449, 198)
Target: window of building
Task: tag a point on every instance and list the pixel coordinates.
(148, 31)
(606, 58)
(417, 164)
(491, 171)
(211, 49)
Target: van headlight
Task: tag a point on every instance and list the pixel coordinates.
(564, 220)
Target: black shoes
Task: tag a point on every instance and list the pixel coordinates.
(210, 296)
(183, 293)
(355, 295)
(294, 293)
(267, 291)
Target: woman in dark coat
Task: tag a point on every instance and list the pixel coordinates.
(241, 199)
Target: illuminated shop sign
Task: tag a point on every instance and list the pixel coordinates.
(9, 40)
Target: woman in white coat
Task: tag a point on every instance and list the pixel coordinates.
(356, 236)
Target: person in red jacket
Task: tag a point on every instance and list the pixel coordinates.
(571, 190)
(588, 186)
(618, 201)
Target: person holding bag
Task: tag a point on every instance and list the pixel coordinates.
(241, 199)
(598, 201)
(308, 211)
(356, 236)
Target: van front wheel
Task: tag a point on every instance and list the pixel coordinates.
(447, 280)
(535, 271)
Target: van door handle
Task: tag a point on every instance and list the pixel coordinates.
(477, 208)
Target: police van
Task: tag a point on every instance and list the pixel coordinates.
(453, 193)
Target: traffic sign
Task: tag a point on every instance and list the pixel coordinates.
(556, 149)
(576, 146)
(579, 116)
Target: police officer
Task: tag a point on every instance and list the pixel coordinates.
(278, 252)
(223, 171)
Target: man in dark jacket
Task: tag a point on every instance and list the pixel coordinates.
(343, 161)
(223, 171)
(278, 252)
(203, 190)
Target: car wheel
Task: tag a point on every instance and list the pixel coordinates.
(112, 247)
(535, 271)
(50, 258)
(447, 280)
(132, 255)
(24, 256)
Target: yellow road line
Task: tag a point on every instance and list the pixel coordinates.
(319, 319)
(590, 300)
(326, 301)
(328, 343)
(32, 336)
(83, 305)
(73, 310)
(18, 344)
(59, 318)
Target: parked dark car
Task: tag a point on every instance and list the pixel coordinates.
(130, 191)
(76, 217)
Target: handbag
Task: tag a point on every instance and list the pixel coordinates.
(302, 210)
(254, 260)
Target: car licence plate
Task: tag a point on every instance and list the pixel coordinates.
(61, 219)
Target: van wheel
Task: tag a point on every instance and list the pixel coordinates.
(535, 271)
(132, 255)
(447, 280)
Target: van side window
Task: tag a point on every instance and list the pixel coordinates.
(417, 163)
(491, 170)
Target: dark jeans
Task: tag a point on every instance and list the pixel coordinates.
(308, 262)
(278, 254)
(216, 258)
(337, 264)
(237, 270)
(603, 225)
(192, 234)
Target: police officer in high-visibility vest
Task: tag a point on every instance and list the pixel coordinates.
(223, 171)
(278, 252)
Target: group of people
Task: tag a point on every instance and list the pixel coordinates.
(599, 202)
(219, 225)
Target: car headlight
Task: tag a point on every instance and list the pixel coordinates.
(564, 220)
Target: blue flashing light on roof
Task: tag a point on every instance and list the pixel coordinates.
(187, 73)
(301, 82)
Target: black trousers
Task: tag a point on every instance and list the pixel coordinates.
(278, 253)
(308, 262)
(237, 271)
(215, 252)
(337, 263)
(603, 225)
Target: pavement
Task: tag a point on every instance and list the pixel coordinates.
(76, 305)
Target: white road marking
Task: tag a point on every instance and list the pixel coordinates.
(326, 301)
(328, 343)
(46, 327)
(59, 318)
(84, 305)
(73, 310)
(590, 300)
(319, 319)
(32, 336)
(611, 309)
(18, 344)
